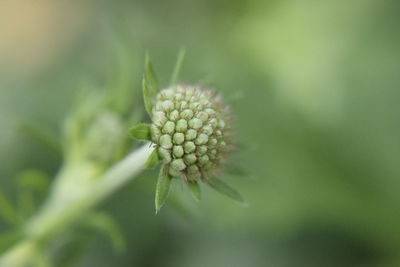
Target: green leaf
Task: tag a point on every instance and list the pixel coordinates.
(152, 160)
(194, 188)
(162, 188)
(150, 85)
(178, 67)
(141, 131)
(225, 189)
(106, 224)
(236, 171)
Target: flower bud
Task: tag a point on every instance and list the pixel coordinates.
(189, 130)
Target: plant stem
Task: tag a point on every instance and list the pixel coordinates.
(78, 187)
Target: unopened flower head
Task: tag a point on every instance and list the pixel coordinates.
(190, 130)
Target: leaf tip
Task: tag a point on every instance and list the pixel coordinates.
(140, 131)
(194, 188)
(226, 190)
(162, 189)
(149, 84)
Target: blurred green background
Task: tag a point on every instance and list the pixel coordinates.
(315, 88)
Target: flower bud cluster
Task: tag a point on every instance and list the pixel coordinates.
(190, 131)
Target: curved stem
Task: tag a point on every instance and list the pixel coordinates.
(77, 188)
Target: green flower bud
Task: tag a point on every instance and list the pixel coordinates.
(190, 158)
(181, 126)
(178, 165)
(168, 127)
(193, 172)
(189, 147)
(177, 151)
(173, 115)
(203, 159)
(213, 142)
(190, 131)
(160, 116)
(193, 169)
(201, 150)
(155, 132)
(191, 134)
(187, 114)
(164, 155)
(208, 130)
(178, 138)
(203, 116)
(213, 122)
(201, 139)
(167, 105)
(165, 141)
(195, 123)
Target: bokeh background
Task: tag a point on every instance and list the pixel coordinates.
(315, 88)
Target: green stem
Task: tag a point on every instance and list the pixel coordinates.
(77, 188)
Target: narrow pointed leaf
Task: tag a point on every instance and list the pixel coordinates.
(150, 76)
(178, 67)
(237, 171)
(194, 188)
(162, 189)
(147, 97)
(225, 189)
(141, 131)
(152, 160)
(150, 85)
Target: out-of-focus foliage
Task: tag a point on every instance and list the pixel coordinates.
(314, 85)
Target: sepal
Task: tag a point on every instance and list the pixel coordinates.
(194, 188)
(162, 188)
(225, 189)
(150, 85)
(141, 131)
(153, 160)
